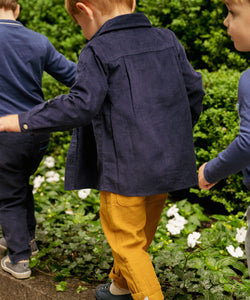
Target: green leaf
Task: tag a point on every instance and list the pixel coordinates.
(61, 287)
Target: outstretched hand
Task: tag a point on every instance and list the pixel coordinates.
(203, 183)
(10, 123)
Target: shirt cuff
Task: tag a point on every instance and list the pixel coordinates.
(206, 173)
(23, 122)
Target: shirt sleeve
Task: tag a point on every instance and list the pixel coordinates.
(75, 109)
(236, 156)
(58, 66)
(246, 177)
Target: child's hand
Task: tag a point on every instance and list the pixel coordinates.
(203, 184)
(10, 123)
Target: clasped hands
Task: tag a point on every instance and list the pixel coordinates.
(203, 183)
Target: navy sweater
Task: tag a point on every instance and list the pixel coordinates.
(25, 54)
(236, 157)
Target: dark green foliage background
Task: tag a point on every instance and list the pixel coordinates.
(50, 18)
(199, 26)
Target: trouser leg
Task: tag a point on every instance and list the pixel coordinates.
(129, 224)
(247, 241)
(13, 218)
(30, 207)
(20, 156)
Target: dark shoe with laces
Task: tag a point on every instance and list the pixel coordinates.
(4, 247)
(102, 292)
(20, 270)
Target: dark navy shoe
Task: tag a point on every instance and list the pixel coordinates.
(102, 292)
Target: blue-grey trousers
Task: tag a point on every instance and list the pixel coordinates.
(247, 241)
(20, 155)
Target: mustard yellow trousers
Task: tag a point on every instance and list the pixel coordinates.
(129, 224)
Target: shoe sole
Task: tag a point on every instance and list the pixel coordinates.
(24, 275)
(34, 253)
(2, 250)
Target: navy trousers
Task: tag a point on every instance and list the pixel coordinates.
(20, 155)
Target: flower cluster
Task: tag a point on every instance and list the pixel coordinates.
(177, 223)
(84, 193)
(50, 176)
(240, 238)
(49, 162)
(38, 181)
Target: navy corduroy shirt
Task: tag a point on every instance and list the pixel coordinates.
(135, 101)
(25, 54)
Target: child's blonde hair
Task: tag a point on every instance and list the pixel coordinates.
(9, 4)
(105, 6)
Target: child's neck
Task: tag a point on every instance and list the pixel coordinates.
(115, 13)
(6, 14)
(119, 11)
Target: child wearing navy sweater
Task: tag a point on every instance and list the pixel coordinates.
(25, 54)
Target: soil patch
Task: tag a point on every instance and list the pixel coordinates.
(42, 287)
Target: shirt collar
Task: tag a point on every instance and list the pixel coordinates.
(10, 22)
(124, 22)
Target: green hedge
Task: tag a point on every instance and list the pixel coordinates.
(199, 26)
(197, 23)
(50, 18)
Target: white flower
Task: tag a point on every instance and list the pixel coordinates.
(82, 194)
(52, 176)
(175, 225)
(179, 219)
(241, 234)
(192, 239)
(38, 181)
(69, 212)
(172, 211)
(49, 162)
(235, 252)
(174, 228)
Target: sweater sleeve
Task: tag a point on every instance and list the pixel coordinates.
(58, 66)
(236, 156)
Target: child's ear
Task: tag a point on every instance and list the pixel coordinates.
(17, 11)
(134, 5)
(85, 8)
